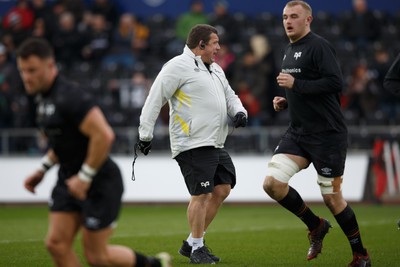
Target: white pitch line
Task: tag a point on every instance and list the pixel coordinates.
(230, 230)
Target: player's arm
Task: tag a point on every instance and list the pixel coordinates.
(330, 80)
(101, 138)
(162, 89)
(279, 103)
(48, 161)
(285, 80)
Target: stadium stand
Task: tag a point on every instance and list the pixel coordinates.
(111, 83)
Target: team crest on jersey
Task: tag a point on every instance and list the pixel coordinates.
(47, 109)
(297, 55)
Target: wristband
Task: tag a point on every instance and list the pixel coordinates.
(47, 163)
(86, 173)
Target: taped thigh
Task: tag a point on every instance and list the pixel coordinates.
(282, 168)
(329, 185)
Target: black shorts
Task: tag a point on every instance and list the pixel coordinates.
(327, 151)
(102, 206)
(205, 167)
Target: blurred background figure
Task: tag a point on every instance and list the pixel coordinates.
(67, 41)
(184, 23)
(39, 29)
(264, 56)
(22, 13)
(106, 8)
(360, 26)
(133, 94)
(380, 65)
(257, 69)
(40, 8)
(141, 38)
(250, 102)
(249, 84)
(226, 59)
(7, 70)
(97, 40)
(18, 21)
(76, 7)
(122, 44)
(363, 95)
(224, 22)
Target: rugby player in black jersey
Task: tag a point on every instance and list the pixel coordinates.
(317, 132)
(87, 194)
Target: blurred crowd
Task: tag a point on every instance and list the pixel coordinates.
(116, 56)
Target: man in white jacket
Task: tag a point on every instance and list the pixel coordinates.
(200, 101)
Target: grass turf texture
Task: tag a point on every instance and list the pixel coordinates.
(242, 235)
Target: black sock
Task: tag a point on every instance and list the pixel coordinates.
(295, 204)
(348, 222)
(143, 261)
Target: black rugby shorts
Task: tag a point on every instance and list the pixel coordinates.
(205, 167)
(102, 206)
(327, 150)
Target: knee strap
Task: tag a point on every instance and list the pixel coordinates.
(282, 168)
(329, 185)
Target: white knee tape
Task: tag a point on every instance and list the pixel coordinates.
(327, 185)
(282, 168)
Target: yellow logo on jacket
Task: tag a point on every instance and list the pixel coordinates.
(184, 100)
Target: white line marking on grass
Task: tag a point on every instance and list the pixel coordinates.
(230, 230)
(31, 240)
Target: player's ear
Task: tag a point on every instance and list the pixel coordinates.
(50, 62)
(309, 19)
(202, 45)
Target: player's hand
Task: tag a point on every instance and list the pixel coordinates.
(144, 146)
(240, 120)
(280, 103)
(77, 188)
(33, 180)
(285, 80)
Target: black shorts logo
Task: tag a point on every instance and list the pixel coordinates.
(326, 171)
(205, 184)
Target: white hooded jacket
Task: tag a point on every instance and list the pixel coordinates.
(199, 99)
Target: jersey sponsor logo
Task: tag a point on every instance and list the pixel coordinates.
(293, 70)
(205, 184)
(297, 55)
(326, 171)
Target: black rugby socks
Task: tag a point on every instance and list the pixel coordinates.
(348, 222)
(295, 204)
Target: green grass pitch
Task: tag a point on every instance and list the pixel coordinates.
(242, 235)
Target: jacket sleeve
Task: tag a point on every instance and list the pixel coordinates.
(163, 88)
(392, 78)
